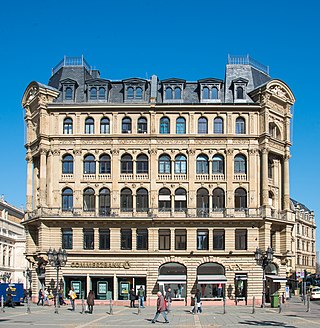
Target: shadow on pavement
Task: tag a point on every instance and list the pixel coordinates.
(266, 323)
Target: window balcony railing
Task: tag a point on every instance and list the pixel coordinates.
(164, 176)
(126, 176)
(142, 176)
(240, 177)
(89, 176)
(104, 176)
(218, 177)
(68, 176)
(180, 177)
(202, 177)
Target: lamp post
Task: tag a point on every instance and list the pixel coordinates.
(263, 259)
(28, 278)
(57, 259)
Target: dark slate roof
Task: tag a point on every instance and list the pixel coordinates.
(296, 203)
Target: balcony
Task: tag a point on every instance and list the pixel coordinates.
(67, 177)
(126, 176)
(202, 177)
(240, 177)
(104, 176)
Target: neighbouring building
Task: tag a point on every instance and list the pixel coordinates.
(12, 243)
(160, 182)
(305, 239)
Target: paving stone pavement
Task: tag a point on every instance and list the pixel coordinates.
(294, 315)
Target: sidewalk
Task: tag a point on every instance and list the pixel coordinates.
(294, 315)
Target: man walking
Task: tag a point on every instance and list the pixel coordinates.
(168, 298)
(141, 296)
(161, 308)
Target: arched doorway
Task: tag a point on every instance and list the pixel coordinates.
(173, 275)
(273, 280)
(211, 281)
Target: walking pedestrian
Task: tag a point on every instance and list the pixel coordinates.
(132, 296)
(90, 301)
(46, 296)
(161, 308)
(61, 299)
(40, 297)
(9, 299)
(197, 302)
(72, 296)
(168, 298)
(141, 296)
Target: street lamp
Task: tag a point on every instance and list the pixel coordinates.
(57, 259)
(263, 259)
(28, 278)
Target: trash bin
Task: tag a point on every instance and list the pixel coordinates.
(274, 300)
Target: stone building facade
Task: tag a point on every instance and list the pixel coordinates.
(160, 183)
(12, 243)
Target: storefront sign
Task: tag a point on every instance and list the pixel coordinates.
(124, 265)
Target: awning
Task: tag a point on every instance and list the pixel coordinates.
(275, 278)
(172, 279)
(212, 279)
(180, 197)
(164, 197)
(241, 277)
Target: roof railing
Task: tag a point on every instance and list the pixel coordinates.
(71, 61)
(247, 60)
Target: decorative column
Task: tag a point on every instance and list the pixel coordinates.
(229, 176)
(264, 169)
(49, 178)
(153, 173)
(115, 172)
(286, 182)
(29, 182)
(43, 176)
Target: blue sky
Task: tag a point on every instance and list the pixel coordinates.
(181, 38)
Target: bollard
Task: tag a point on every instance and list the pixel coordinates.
(224, 305)
(2, 304)
(280, 306)
(82, 304)
(111, 310)
(28, 304)
(308, 303)
(253, 305)
(139, 308)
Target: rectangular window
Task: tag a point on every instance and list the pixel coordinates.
(164, 239)
(218, 239)
(126, 239)
(241, 239)
(202, 239)
(104, 238)
(180, 239)
(142, 238)
(67, 236)
(88, 239)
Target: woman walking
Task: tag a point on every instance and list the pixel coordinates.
(72, 294)
(90, 301)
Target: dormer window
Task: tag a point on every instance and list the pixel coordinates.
(93, 93)
(134, 90)
(102, 93)
(68, 93)
(138, 93)
(210, 90)
(177, 93)
(240, 89)
(130, 93)
(97, 89)
(173, 90)
(169, 93)
(205, 93)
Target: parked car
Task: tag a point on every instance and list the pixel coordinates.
(315, 293)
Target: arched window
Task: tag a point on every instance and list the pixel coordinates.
(240, 199)
(165, 164)
(164, 200)
(214, 93)
(126, 125)
(240, 125)
(202, 202)
(218, 201)
(177, 93)
(89, 125)
(240, 164)
(180, 200)
(68, 93)
(239, 93)
(89, 200)
(181, 125)
(173, 269)
(270, 169)
(104, 164)
(126, 200)
(218, 125)
(205, 93)
(274, 131)
(180, 164)
(67, 199)
(104, 202)
(93, 93)
(126, 164)
(67, 126)
(138, 93)
(102, 93)
(130, 93)
(142, 125)
(105, 125)
(67, 164)
(202, 164)
(202, 125)
(142, 200)
(164, 125)
(218, 164)
(89, 164)
(169, 95)
(142, 164)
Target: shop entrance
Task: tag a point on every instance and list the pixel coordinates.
(241, 287)
(102, 287)
(79, 283)
(127, 283)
